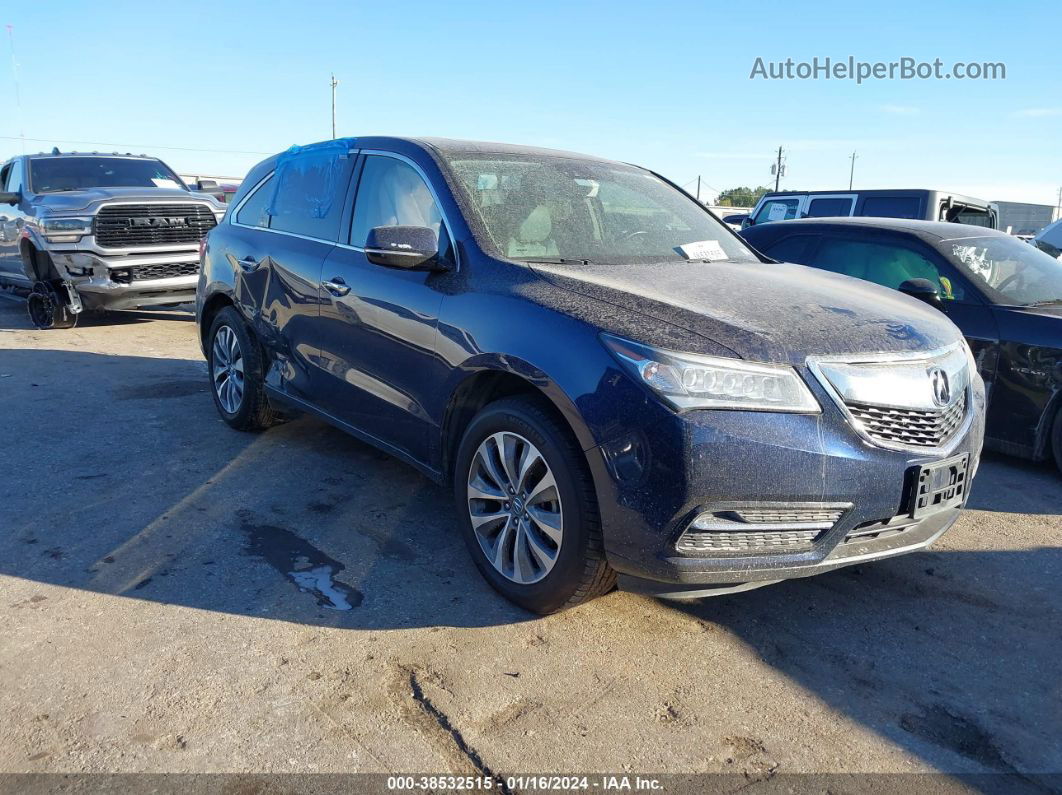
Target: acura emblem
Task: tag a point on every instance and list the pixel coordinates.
(938, 379)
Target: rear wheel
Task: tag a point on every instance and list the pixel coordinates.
(527, 508)
(237, 373)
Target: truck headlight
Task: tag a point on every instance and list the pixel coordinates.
(66, 230)
(694, 381)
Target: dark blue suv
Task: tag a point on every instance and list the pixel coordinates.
(613, 383)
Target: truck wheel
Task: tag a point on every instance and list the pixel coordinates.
(527, 508)
(237, 371)
(47, 310)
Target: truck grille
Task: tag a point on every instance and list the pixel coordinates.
(128, 226)
(909, 426)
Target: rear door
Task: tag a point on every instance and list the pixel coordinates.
(828, 205)
(281, 234)
(378, 324)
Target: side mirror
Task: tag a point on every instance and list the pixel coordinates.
(206, 184)
(10, 198)
(923, 290)
(734, 220)
(409, 247)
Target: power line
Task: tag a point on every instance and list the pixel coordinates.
(129, 147)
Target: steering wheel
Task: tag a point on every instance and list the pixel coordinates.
(626, 236)
(1017, 279)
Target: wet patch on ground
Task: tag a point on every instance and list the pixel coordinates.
(310, 569)
(940, 726)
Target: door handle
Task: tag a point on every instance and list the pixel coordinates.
(248, 264)
(336, 286)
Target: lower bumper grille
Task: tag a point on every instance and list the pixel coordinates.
(759, 529)
(145, 273)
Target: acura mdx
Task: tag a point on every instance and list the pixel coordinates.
(614, 385)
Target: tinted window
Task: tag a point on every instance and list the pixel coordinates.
(892, 207)
(52, 174)
(253, 212)
(778, 210)
(307, 194)
(824, 208)
(791, 248)
(883, 263)
(392, 193)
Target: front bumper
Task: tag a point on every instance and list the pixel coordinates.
(653, 483)
(96, 278)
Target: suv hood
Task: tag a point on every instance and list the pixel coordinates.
(90, 198)
(779, 313)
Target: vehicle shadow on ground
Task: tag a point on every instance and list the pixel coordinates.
(945, 653)
(146, 493)
(121, 480)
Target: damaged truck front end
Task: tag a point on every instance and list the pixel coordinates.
(76, 243)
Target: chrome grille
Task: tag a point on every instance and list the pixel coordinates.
(788, 515)
(128, 225)
(748, 541)
(912, 427)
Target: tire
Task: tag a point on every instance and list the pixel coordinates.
(553, 570)
(47, 310)
(235, 357)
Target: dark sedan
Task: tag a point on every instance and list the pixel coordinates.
(1005, 296)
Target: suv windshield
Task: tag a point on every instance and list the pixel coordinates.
(53, 174)
(1007, 269)
(543, 207)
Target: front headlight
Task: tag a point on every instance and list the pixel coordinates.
(66, 230)
(694, 381)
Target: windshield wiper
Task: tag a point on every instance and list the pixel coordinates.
(556, 261)
(1048, 302)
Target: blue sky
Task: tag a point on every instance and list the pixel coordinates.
(662, 84)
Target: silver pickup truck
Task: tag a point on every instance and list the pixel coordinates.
(99, 231)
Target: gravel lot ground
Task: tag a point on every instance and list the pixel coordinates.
(166, 586)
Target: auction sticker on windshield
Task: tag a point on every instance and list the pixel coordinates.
(703, 249)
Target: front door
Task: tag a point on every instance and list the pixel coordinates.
(378, 324)
(10, 228)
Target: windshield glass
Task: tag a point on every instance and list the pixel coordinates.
(1008, 270)
(535, 207)
(53, 174)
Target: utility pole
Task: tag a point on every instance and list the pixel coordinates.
(1058, 209)
(18, 92)
(851, 172)
(334, 84)
(778, 170)
(698, 187)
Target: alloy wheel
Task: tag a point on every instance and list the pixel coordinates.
(515, 507)
(227, 368)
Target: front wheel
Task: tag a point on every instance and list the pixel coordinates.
(527, 508)
(237, 374)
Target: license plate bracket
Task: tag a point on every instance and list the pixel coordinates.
(939, 486)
